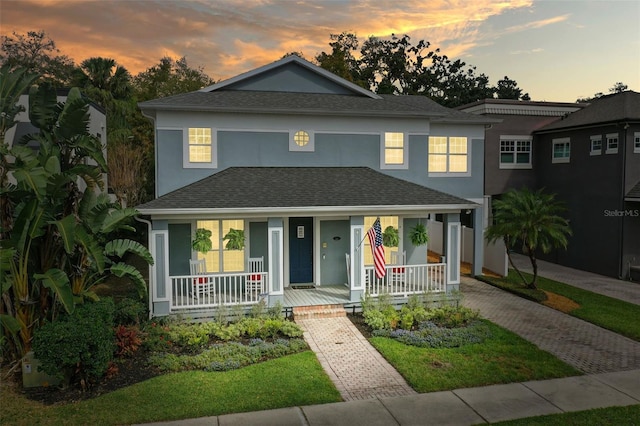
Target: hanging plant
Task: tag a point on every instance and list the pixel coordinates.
(390, 237)
(235, 239)
(418, 235)
(202, 241)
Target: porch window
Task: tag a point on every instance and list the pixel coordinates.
(448, 155)
(385, 221)
(561, 150)
(219, 258)
(596, 145)
(394, 150)
(515, 152)
(636, 142)
(199, 148)
(612, 143)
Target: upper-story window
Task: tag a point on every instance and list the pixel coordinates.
(449, 155)
(515, 152)
(301, 140)
(394, 155)
(596, 145)
(612, 143)
(561, 150)
(636, 142)
(200, 148)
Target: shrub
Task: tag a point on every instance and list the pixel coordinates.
(452, 316)
(231, 355)
(78, 347)
(129, 312)
(430, 335)
(127, 340)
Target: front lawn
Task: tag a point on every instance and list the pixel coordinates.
(502, 358)
(284, 382)
(613, 314)
(612, 416)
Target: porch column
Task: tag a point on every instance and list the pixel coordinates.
(356, 266)
(451, 237)
(276, 260)
(159, 281)
(478, 241)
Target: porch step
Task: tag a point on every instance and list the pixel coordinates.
(318, 311)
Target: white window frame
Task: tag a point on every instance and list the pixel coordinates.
(466, 173)
(294, 147)
(636, 143)
(559, 141)
(186, 163)
(610, 138)
(592, 150)
(516, 139)
(383, 151)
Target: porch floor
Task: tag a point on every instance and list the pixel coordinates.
(320, 295)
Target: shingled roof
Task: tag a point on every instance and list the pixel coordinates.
(634, 193)
(300, 188)
(607, 109)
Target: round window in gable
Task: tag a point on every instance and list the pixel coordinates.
(301, 138)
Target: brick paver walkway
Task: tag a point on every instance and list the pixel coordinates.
(587, 347)
(619, 289)
(354, 366)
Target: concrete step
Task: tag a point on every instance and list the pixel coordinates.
(318, 311)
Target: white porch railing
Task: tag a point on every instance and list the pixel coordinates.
(213, 290)
(404, 280)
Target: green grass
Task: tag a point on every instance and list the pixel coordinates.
(614, 416)
(284, 382)
(503, 358)
(613, 314)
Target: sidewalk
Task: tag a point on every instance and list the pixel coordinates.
(458, 407)
(629, 291)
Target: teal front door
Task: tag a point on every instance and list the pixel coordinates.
(301, 250)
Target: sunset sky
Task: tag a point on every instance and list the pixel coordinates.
(556, 50)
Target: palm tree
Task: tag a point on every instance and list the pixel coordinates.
(531, 219)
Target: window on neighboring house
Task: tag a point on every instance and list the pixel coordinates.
(612, 143)
(394, 150)
(561, 150)
(596, 145)
(219, 258)
(636, 142)
(301, 140)
(449, 155)
(200, 148)
(515, 152)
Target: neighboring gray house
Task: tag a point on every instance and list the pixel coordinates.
(303, 162)
(591, 159)
(586, 153)
(97, 126)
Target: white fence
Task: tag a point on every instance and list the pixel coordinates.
(403, 280)
(495, 256)
(214, 290)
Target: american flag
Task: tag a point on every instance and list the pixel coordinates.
(377, 249)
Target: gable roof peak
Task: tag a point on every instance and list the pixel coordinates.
(300, 62)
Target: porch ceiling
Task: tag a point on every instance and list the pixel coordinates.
(272, 189)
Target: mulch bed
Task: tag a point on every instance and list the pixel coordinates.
(130, 371)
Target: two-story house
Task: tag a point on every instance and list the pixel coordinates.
(509, 145)
(300, 163)
(587, 154)
(591, 159)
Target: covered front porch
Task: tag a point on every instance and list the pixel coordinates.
(310, 254)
